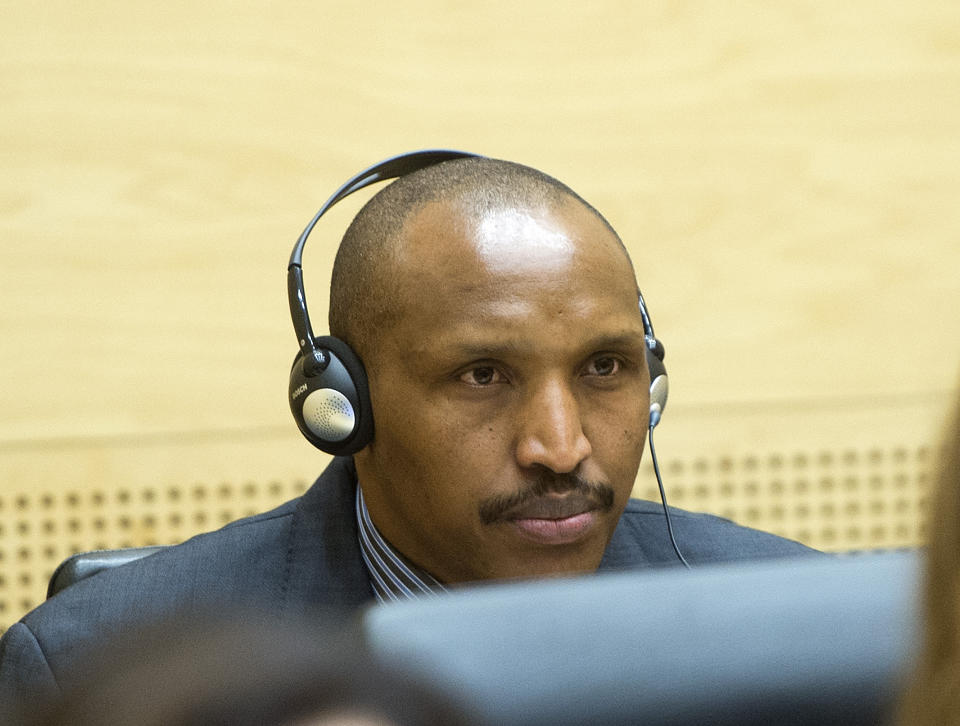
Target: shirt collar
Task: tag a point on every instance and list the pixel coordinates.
(392, 576)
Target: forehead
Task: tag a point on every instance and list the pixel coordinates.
(462, 273)
(455, 242)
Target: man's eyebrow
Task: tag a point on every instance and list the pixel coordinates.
(618, 341)
(493, 349)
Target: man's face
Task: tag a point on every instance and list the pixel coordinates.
(511, 399)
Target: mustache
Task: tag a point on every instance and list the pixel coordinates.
(494, 508)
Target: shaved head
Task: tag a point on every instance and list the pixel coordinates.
(364, 285)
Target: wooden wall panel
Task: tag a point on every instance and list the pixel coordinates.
(785, 176)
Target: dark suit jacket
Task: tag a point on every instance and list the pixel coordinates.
(294, 560)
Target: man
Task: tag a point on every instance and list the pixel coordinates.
(496, 315)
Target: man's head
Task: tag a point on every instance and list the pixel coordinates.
(496, 314)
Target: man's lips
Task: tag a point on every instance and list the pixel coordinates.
(554, 520)
(552, 507)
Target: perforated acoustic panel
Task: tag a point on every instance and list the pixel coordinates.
(832, 500)
(837, 501)
(38, 530)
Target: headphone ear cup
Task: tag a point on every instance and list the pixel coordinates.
(332, 408)
(659, 384)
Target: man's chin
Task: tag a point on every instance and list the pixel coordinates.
(534, 560)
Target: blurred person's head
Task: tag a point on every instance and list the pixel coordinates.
(247, 671)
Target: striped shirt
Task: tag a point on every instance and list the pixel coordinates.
(392, 576)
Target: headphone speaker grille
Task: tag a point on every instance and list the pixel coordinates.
(329, 414)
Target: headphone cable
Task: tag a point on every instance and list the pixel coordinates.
(663, 498)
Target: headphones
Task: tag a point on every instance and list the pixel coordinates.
(329, 394)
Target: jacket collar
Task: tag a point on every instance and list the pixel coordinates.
(324, 569)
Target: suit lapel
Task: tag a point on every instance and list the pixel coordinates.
(323, 567)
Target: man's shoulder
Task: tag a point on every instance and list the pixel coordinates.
(236, 564)
(701, 537)
(243, 556)
(230, 562)
(301, 551)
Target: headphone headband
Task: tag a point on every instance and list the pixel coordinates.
(395, 166)
(328, 392)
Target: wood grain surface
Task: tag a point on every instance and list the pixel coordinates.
(784, 174)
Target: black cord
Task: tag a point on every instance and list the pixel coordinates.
(663, 498)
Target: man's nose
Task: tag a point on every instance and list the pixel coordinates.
(550, 432)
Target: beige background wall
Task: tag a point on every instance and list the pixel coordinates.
(785, 175)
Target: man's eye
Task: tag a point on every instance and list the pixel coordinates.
(605, 365)
(481, 376)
